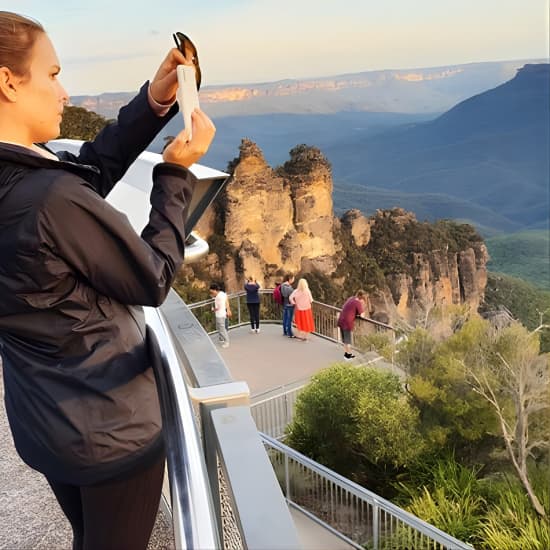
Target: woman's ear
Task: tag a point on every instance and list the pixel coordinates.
(8, 85)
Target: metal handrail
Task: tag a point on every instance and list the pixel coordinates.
(386, 520)
(192, 509)
(213, 391)
(325, 316)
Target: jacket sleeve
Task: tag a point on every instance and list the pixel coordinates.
(118, 145)
(99, 245)
(286, 290)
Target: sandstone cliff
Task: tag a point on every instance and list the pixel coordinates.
(271, 221)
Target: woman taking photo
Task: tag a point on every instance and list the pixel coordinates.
(79, 389)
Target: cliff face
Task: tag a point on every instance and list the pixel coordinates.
(440, 279)
(281, 220)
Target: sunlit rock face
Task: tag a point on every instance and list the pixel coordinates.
(283, 218)
(258, 213)
(359, 226)
(440, 279)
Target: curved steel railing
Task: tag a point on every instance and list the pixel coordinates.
(360, 517)
(227, 459)
(193, 514)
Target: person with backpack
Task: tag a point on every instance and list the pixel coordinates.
(277, 296)
(288, 308)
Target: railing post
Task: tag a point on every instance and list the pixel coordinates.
(287, 411)
(239, 309)
(287, 479)
(375, 526)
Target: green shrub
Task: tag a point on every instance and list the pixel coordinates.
(460, 517)
(447, 495)
(356, 421)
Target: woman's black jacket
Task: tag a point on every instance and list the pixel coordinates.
(79, 391)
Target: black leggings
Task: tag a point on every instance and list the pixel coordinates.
(114, 514)
(254, 310)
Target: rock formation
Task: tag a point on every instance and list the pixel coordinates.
(271, 221)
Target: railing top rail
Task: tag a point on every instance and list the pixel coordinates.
(372, 498)
(335, 309)
(201, 361)
(283, 389)
(374, 322)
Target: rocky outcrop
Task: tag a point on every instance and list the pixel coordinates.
(358, 226)
(280, 219)
(271, 221)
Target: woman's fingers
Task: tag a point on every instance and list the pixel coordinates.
(185, 151)
(165, 81)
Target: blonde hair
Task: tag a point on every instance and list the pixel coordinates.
(302, 285)
(17, 37)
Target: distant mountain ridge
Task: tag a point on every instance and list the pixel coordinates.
(491, 150)
(425, 90)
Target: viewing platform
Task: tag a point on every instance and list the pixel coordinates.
(269, 360)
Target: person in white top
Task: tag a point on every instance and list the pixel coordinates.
(222, 311)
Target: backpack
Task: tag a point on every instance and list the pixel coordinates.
(277, 296)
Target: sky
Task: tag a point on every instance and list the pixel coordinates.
(115, 45)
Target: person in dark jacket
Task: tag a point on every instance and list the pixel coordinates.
(252, 288)
(80, 393)
(288, 309)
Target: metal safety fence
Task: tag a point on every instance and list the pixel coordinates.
(358, 516)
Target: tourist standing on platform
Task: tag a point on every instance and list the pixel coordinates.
(302, 299)
(354, 306)
(252, 288)
(288, 309)
(80, 393)
(221, 311)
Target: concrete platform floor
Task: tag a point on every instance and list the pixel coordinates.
(269, 360)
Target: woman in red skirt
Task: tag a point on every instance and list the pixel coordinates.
(303, 317)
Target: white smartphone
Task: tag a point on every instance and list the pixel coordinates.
(187, 95)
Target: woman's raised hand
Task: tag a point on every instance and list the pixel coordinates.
(185, 151)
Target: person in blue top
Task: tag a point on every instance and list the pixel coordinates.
(252, 288)
(288, 309)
